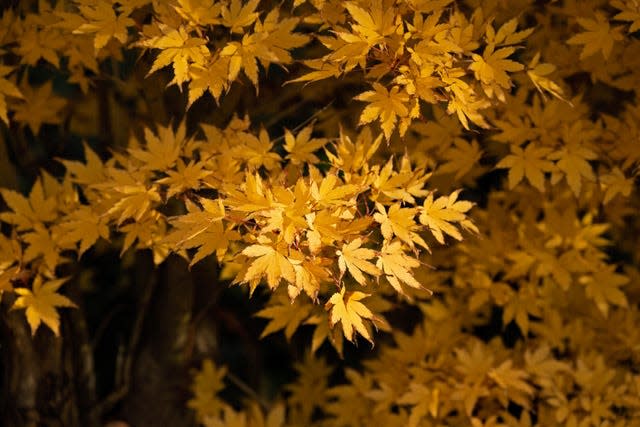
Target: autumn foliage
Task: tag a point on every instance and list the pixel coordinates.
(448, 186)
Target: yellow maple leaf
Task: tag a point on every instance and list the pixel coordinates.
(178, 48)
(162, 149)
(104, 23)
(322, 70)
(466, 104)
(397, 266)
(209, 77)
(91, 171)
(202, 228)
(29, 212)
(269, 262)
(40, 303)
(573, 160)
(425, 402)
(598, 37)
(529, 162)
(512, 379)
(285, 315)
(186, 177)
(198, 12)
(400, 222)
(277, 37)
(629, 11)
(615, 183)
(492, 66)
(300, 148)
(331, 193)
(386, 106)
(538, 71)
(346, 308)
(375, 25)
(441, 214)
(7, 89)
(10, 260)
(85, 227)
(133, 198)
(207, 382)
(237, 16)
(41, 106)
(463, 156)
(603, 287)
(354, 258)
(506, 34)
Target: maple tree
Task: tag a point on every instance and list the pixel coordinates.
(433, 202)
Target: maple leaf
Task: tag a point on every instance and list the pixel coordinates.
(492, 66)
(507, 34)
(424, 402)
(330, 193)
(91, 171)
(537, 72)
(198, 12)
(466, 104)
(40, 303)
(629, 11)
(42, 242)
(202, 229)
(256, 152)
(598, 37)
(513, 380)
(300, 148)
(253, 197)
(237, 16)
(242, 56)
(354, 258)
(162, 149)
(104, 22)
(386, 106)
(404, 185)
(400, 222)
(440, 214)
(207, 383)
(520, 305)
(178, 48)
(603, 287)
(322, 70)
(37, 43)
(278, 38)
(41, 106)
(542, 366)
(27, 213)
(269, 262)
(353, 156)
(284, 315)
(572, 159)
(309, 274)
(397, 266)
(615, 183)
(528, 163)
(10, 258)
(7, 89)
(133, 197)
(375, 25)
(186, 177)
(85, 227)
(209, 77)
(346, 308)
(462, 157)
